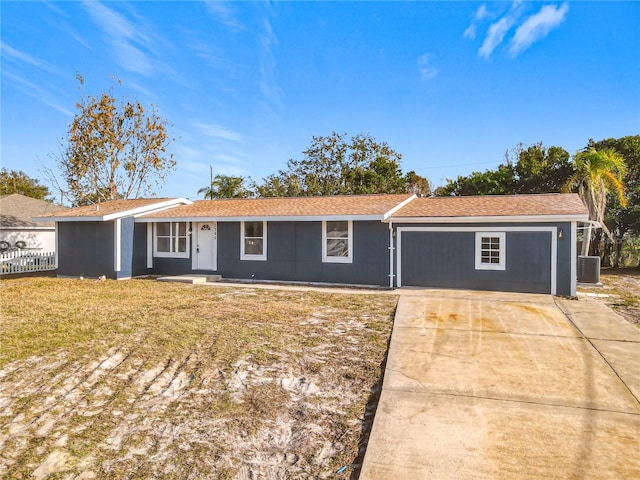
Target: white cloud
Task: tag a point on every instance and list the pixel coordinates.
(495, 35)
(224, 13)
(131, 44)
(537, 26)
(38, 92)
(480, 15)
(217, 131)
(269, 86)
(427, 71)
(18, 56)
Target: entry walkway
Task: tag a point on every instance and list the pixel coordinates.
(506, 386)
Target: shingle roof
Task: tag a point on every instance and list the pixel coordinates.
(100, 210)
(322, 206)
(16, 210)
(494, 205)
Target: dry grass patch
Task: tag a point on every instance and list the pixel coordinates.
(141, 379)
(620, 290)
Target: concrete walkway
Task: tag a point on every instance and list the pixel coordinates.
(507, 386)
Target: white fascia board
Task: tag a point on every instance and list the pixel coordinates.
(398, 207)
(494, 219)
(301, 218)
(20, 228)
(174, 202)
(125, 213)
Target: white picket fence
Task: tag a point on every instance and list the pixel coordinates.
(23, 261)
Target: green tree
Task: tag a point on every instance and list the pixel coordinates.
(597, 172)
(226, 186)
(331, 165)
(623, 220)
(16, 181)
(539, 169)
(114, 149)
(527, 169)
(500, 181)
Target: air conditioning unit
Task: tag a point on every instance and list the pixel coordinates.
(588, 269)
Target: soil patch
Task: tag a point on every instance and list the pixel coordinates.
(142, 379)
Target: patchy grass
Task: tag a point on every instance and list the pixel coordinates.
(620, 291)
(142, 379)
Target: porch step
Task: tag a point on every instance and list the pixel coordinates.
(191, 278)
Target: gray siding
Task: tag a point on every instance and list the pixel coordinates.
(126, 248)
(86, 248)
(294, 253)
(447, 260)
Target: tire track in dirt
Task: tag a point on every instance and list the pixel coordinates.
(46, 421)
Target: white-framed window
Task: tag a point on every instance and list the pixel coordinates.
(253, 240)
(337, 241)
(490, 250)
(171, 239)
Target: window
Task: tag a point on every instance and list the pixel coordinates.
(337, 241)
(490, 250)
(170, 240)
(253, 244)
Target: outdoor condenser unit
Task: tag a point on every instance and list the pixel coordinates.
(588, 269)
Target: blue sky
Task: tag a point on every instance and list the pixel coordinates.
(450, 85)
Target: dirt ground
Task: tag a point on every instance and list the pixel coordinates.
(620, 290)
(188, 382)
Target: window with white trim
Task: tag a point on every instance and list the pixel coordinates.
(337, 241)
(253, 241)
(490, 250)
(170, 239)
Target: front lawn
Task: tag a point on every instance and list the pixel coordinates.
(142, 379)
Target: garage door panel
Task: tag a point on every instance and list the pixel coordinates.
(447, 260)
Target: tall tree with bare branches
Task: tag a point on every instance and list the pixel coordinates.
(114, 149)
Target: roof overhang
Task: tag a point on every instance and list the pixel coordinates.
(24, 227)
(133, 212)
(267, 218)
(493, 219)
(398, 207)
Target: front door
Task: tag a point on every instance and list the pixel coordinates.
(206, 257)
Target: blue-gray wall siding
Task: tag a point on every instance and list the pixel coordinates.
(127, 226)
(447, 260)
(86, 248)
(294, 253)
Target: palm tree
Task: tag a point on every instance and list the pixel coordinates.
(597, 172)
(225, 186)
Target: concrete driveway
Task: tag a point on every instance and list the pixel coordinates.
(499, 385)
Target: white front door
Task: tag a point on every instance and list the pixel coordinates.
(206, 248)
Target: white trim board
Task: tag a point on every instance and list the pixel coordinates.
(270, 218)
(117, 251)
(152, 208)
(552, 230)
(399, 206)
(494, 219)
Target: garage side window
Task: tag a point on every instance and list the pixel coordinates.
(490, 250)
(337, 241)
(170, 240)
(253, 244)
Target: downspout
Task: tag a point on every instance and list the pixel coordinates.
(391, 254)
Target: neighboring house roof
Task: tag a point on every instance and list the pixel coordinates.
(16, 211)
(558, 206)
(376, 207)
(113, 209)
